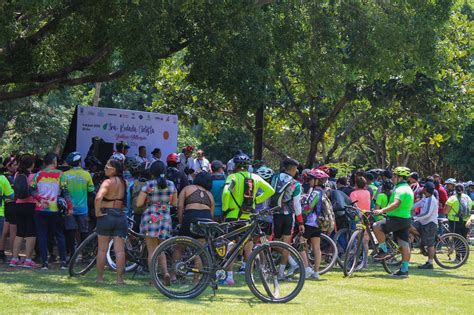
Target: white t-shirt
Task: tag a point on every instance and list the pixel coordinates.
(428, 212)
(185, 162)
(201, 165)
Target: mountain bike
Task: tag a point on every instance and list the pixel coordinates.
(451, 249)
(354, 251)
(328, 248)
(182, 267)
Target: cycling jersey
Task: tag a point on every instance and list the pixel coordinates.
(79, 183)
(313, 198)
(229, 205)
(403, 193)
(48, 184)
(453, 201)
(6, 191)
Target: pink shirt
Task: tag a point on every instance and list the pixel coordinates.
(362, 196)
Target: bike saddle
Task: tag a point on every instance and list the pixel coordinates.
(206, 223)
(442, 220)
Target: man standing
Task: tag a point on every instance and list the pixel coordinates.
(142, 155)
(173, 174)
(398, 220)
(186, 161)
(442, 194)
(450, 183)
(79, 185)
(155, 155)
(218, 182)
(426, 222)
(458, 208)
(122, 147)
(47, 186)
(201, 164)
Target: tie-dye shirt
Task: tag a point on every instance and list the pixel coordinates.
(79, 183)
(47, 185)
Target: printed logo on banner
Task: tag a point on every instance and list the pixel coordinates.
(90, 113)
(81, 110)
(148, 117)
(140, 116)
(101, 114)
(112, 114)
(124, 116)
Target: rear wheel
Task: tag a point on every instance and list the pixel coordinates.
(451, 251)
(328, 254)
(354, 255)
(341, 238)
(111, 259)
(394, 261)
(84, 258)
(262, 273)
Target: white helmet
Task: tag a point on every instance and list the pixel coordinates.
(118, 156)
(451, 181)
(265, 172)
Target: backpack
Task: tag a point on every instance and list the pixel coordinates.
(325, 214)
(339, 201)
(248, 202)
(276, 199)
(174, 175)
(21, 187)
(464, 209)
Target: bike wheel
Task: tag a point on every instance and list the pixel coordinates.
(262, 273)
(354, 255)
(341, 238)
(394, 261)
(186, 262)
(451, 251)
(129, 264)
(84, 257)
(329, 254)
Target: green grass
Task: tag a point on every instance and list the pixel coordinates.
(428, 292)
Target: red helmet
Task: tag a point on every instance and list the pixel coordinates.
(172, 157)
(189, 148)
(324, 168)
(318, 174)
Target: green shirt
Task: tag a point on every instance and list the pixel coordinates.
(382, 202)
(228, 203)
(6, 190)
(453, 201)
(403, 193)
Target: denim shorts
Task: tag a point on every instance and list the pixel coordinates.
(77, 222)
(112, 223)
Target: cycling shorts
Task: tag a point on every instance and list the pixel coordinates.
(400, 228)
(283, 225)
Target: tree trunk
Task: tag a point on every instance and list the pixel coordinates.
(96, 100)
(258, 133)
(313, 138)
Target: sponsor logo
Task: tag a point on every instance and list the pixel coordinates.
(112, 114)
(104, 126)
(90, 113)
(81, 110)
(101, 114)
(140, 116)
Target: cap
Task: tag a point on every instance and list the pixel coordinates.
(414, 175)
(215, 165)
(429, 186)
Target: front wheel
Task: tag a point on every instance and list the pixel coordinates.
(84, 258)
(264, 277)
(181, 268)
(394, 261)
(451, 251)
(111, 259)
(354, 255)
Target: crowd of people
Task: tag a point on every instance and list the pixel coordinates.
(49, 204)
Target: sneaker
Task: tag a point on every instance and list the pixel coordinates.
(44, 267)
(15, 262)
(427, 265)
(381, 255)
(292, 270)
(400, 274)
(229, 282)
(308, 272)
(52, 258)
(63, 265)
(315, 275)
(241, 270)
(29, 264)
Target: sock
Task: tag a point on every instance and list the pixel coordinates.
(243, 264)
(430, 261)
(309, 270)
(404, 267)
(383, 246)
(282, 270)
(292, 261)
(230, 275)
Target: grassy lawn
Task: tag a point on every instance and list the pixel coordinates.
(434, 292)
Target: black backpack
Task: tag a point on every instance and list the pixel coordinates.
(21, 187)
(174, 175)
(277, 198)
(339, 201)
(248, 202)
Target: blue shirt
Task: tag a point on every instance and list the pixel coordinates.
(218, 182)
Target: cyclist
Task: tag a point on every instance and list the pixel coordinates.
(6, 194)
(415, 185)
(312, 232)
(383, 197)
(79, 185)
(240, 197)
(426, 222)
(267, 174)
(450, 183)
(398, 220)
(442, 194)
(458, 208)
(174, 174)
(218, 182)
(288, 190)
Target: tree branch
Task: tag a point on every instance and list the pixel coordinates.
(296, 107)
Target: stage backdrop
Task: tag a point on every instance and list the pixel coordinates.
(153, 130)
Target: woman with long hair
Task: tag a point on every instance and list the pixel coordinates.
(110, 204)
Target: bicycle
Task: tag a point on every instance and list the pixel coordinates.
(354, 252)
(84, 258)
(451, 249)
(182, 267)
(328, 248)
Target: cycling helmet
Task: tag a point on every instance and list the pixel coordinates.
(451, 181)
(318, 174)
(324, 168)
(387, 185)
(62, 205)
(73, 157)
(132, 163)
(118, 156)
(242, 159)
(265, 172)
(172, 158)
(470, 183)
(402, 171)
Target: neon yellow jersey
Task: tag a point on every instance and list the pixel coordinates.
(453, 201)
(403, 193)
(228, 203)
(5, 191)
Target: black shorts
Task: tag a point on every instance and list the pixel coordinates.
(459, 227)
(191, 216)
(311, 231)
(283, 224)
(25, 220)
(427, 233)
(10, 212)
(113, 223)
(400, 228)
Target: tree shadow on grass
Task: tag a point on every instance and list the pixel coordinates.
(414, 271)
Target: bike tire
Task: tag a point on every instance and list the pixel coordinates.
(329, 253)
(167, 247)
(352, 257)
(258, 256)
(393, 263)
(86, 250)
(461, 250)
(130, 266)
(341, 238)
